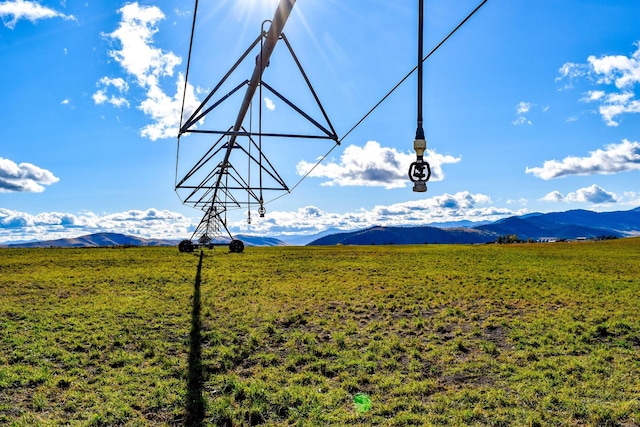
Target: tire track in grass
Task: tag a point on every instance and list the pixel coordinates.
(195, 409)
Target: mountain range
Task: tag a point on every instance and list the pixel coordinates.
(95, 240)
(117, 239)
(569, 225)
(573, 224)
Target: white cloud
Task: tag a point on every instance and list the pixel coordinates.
(616, 105)
(269, 104)
(118, 83)
(100, 97)
(523, 108)
(374, 166)
(179, 12)
(621, 75)
(148, 65)
(593, 95)
(623, 71)
(23, 177)
(593, 194)
(521, 120)
(137, 55)
(554, 196)
(437, 209)
(165, 110)
(150, 223)
(118, 101)
(631, 198)
(521, 201)
(572, 70)
(613, 159)
(32, 11)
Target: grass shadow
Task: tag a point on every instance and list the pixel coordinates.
(195, 409)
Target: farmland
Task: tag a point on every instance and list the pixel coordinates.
(532, 334)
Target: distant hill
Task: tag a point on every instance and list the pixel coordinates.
(407, 235)
(560, 225)
(623, 221)
(303, 239)
(259, 241)
(95, 240)
(569, 225)
(116, 239)
(458, 224)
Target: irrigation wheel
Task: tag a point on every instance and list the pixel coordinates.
(185, 246)
(236, 246)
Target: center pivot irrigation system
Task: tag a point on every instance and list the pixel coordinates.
(233, 169)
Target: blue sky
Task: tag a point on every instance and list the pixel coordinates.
(530, 107)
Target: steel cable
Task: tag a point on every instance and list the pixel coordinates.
(414, 69)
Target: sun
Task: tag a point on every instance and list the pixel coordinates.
(255, 8)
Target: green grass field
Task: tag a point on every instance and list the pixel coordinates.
(532, 334)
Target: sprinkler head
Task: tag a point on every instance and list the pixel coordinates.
(420, 186)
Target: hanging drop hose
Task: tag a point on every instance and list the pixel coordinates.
(261, 208)
(417, 173)
(249, 165)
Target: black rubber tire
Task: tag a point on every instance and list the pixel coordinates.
(185, 246)
(236, 246)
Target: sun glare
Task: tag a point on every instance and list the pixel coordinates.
(255, 8)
